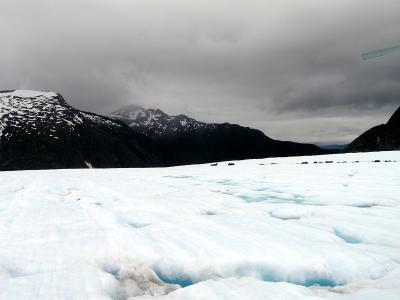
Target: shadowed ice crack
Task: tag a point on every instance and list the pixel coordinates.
(182, 281)
(137, 225)
(209, 212)
(365, 205)
(178, 176)
(348, 238)
(264, 273)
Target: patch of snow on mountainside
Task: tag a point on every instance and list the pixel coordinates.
(24, 108)
(28, 93)
(321, 227)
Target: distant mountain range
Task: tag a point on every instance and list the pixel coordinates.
(335, 147)
(379, 138)
(184, 140)
(39, 130)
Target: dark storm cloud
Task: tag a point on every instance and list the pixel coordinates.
(291, 68)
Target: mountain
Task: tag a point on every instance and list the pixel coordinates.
(39, 130)
(156, 123)
(338, 147)
(379, 138)
(184, 140)
(334, 148)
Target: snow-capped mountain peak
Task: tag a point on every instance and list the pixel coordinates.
(40, 113)
(41, 130)
(28, 93)
(25, 110)
(155, 122)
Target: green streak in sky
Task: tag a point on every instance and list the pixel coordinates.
(381, 52)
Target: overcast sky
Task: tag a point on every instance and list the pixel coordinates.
(291, 68)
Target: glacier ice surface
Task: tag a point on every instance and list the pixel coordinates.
(262, 229)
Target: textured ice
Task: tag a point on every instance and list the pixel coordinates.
(262, 229)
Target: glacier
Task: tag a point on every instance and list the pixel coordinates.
(276, 228)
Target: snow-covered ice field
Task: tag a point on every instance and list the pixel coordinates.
(274, 231)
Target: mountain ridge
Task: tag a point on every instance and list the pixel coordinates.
(155, 122)
(384, 137)
(40, 130)
(185, 140)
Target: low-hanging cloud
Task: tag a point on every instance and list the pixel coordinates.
(290, 68)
